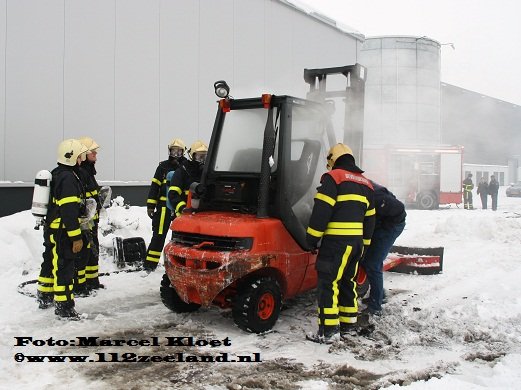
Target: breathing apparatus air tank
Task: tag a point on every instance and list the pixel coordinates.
(41, 194)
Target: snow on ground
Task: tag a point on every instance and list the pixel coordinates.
(459, 329)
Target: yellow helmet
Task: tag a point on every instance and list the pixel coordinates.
(69, 150)
(198, 147)
(335, 152)
(176, 148)
(89, 143)
(177, 143)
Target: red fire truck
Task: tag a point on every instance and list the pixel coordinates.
(421, 176)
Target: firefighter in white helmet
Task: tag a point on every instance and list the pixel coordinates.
(88, 278)
(156, 202)
(63, 240)
(188, 173)
(343, 217)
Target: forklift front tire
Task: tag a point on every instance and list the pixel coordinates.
(172, 300)
(256, 307)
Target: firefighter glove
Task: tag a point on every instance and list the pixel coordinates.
(77, 246)
(150, 212)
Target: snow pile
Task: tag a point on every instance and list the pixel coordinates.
(459, 329)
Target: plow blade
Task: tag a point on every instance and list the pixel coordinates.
(423, 261)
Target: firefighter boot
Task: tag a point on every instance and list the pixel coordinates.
(45, 300)
(81, 290)
(325, 335)
(94, 284)
(361, 328)
(66, 311)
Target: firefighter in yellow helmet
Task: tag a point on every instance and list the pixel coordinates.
(63, 240)
(157, 208)
(468, 186)
(88, 278)
(188, 173)
(343, 217)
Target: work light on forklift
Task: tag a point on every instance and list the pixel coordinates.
(266, 100)
(222, 89)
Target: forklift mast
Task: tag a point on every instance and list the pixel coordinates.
(352, 95)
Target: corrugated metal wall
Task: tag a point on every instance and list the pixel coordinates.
(135, 73)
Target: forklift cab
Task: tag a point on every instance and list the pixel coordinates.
(266, 157)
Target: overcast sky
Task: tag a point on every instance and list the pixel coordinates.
(486, 35)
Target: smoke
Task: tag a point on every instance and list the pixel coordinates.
(488, 128)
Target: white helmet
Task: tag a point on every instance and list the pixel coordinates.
(69, 150)
(89, 143)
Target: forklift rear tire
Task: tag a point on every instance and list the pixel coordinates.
(256, 306)
(172, 300)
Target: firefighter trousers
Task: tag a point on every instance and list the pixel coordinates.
(92, 266)
(58, 268)
(160, 227)
(337, 266)
(80, 264)
(467, 200)
(46, 278)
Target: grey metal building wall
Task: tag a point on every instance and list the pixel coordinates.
(135, 73)
(402, 104)
(489, 128)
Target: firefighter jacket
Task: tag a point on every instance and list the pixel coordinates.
(88, 172)
(344, 206)
(188, 172)
(468, 185)
(158, 187)
(389, 210)
(67, 202)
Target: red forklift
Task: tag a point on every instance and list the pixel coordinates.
(240, 243)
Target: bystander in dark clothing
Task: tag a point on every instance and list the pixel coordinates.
(493, 188)
(390, 222)
(483, 192)
(468, 186)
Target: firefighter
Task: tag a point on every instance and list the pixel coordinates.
(156, 202)
(63, 240)
(343, 217)
(468, 186)
(91, 272)
(189, 172)
(483, 192)
(390, 222)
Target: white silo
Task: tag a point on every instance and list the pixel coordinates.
(402, 104)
